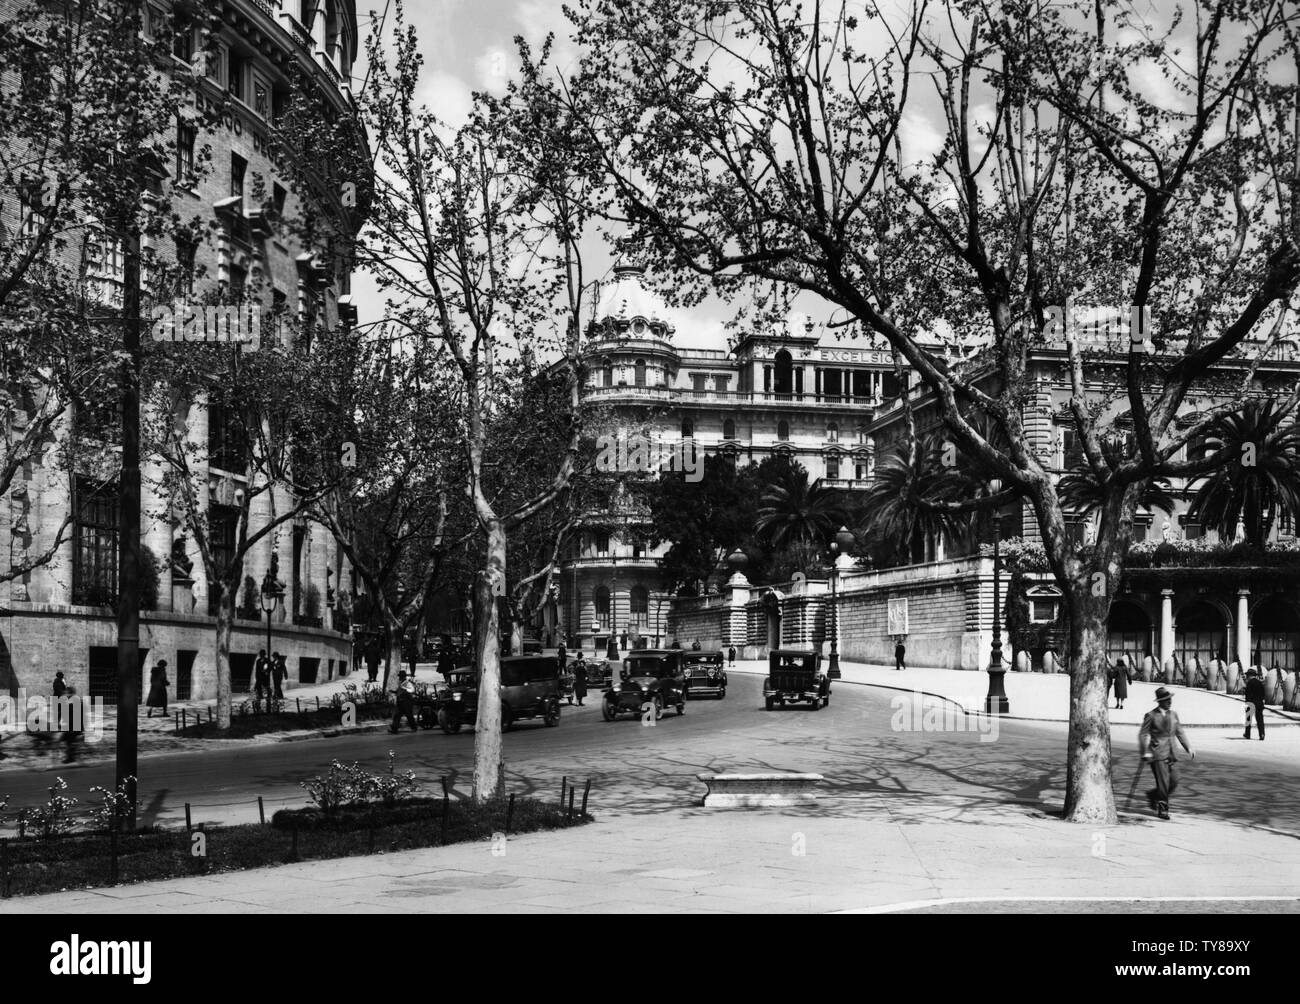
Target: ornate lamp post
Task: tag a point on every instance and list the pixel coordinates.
(270, 598)
(842, 542)
(996, 702)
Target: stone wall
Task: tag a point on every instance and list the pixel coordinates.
(43, 639)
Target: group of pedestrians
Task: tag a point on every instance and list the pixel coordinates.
(269, 675)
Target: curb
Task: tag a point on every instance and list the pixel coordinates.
(1287, 720)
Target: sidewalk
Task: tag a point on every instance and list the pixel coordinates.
(880, 852)
(1045, 697)
(156, 734)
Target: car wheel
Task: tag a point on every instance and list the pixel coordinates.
(552, 716)
(681, 707)
(658, 703)
(722, 693)
(448, 722)
(771, 703)
(817, 703)
(607, 711)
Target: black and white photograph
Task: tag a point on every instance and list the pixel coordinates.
(680, 457)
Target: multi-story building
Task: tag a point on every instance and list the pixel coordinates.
(803, 393)
(60, 615)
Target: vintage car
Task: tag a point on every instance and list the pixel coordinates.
(531, 646)
(796, 675)
(650, 680)
(530, 688)
(705, 675)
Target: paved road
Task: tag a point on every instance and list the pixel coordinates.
(638, 769)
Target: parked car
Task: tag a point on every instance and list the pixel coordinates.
(650, 680)
(531, 646)
(705, 675)
(530, 688)
(796, 675)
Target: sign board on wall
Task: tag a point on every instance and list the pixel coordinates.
(897, 618)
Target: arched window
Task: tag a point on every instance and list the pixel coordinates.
(832, 433)
(688, 429)
(729, 429)
(640, 372)
(607, 369)
(783, 430)
(783, 373)
(639, 604)
(600, 597)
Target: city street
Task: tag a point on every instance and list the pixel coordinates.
(638, 769)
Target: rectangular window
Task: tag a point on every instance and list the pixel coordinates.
(237, 71)
(722, 383)
(261, 99)
(185, 254)
(182, 37)
(860, 470)
(602, 544)
(1042, 611)
(238, 282)
(228, 446)
(105, 268)
(94, 567)
(186, 135)
(832, 468)
(32, 216)
(223, 525)
(238, 168)
(699, 382)
(278, 195)
(1071, 449)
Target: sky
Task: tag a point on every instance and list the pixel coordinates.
(468, 45)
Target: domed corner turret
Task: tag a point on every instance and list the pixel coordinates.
(626, 308)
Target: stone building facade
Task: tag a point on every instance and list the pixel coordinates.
(60, 616)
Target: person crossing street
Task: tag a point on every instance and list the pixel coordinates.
(1160, 727)
(405, 704)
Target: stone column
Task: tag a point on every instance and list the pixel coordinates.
(1243, 627)
(1166, 625)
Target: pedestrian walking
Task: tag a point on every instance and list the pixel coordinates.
(1160, 727)
(579, 679)
(1119, 681)
(158, 684)
(261, 675)
(1254, 703)
(405, 704)
(58, 687)
(900, 655)
(446, 663)
(372, 660)
(731, 656)
(75, 709)
(279, 673)
(562, 654)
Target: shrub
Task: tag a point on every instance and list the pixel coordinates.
(51, 819)
(342, 785)
(113, 804)
(392, 787)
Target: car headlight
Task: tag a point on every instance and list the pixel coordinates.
(457, 697)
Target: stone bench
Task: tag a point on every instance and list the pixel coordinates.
(759, 790)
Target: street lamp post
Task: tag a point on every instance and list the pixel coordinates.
(996, 702)
(269, 599)
(843, 540)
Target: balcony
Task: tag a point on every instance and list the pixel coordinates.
(732, 398)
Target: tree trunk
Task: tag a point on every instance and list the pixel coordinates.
(487, 728)
(225, 627)
(394, 663)
(1089, 797)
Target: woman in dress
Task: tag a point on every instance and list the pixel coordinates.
(158, 684)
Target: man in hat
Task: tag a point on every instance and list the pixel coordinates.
(405, 703)
(1254, 702)
(1160, 727)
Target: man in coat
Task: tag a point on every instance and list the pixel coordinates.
(262, 675)
(279, 673)
(1160, 727)
(580, 679)
(900, 653)
(1254, 702)
(405, 704)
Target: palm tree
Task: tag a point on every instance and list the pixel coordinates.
(1080, 490)
(915, 495)
(1260, 479)
(794, 512)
